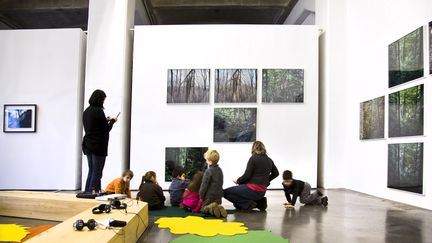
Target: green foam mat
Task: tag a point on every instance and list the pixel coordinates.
(253, 236)
(178, 212)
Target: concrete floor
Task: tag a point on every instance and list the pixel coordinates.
(351, 217)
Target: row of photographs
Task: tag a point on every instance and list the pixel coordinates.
(405, 57)
(235, 86)
(405, 112)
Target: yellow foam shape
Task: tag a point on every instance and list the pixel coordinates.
(12, 232)
(200, 226)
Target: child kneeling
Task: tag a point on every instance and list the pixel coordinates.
(191, 201)
(211, 190)
(300, 189)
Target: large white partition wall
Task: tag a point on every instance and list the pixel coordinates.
(289, 131)
(46, 68)
(362, 165)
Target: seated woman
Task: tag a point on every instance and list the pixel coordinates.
(252, 185)
(151, 192)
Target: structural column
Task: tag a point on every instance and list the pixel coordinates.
(109, 67)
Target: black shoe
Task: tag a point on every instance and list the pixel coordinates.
(324, 201)
(262, 204)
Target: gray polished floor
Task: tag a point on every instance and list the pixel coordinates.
(351, 217)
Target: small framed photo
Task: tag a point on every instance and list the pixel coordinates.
(19, 118)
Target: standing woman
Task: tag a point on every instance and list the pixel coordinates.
(95, 141)
(252, 185)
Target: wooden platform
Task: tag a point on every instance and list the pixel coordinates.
(136, 218)
(42, 205)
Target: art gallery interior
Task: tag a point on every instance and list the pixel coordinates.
(353, 121)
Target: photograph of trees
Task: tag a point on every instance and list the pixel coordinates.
(406, 58)
(406, 112)
(282, 85)
(405, 167)
(372, 118)
(190, 158)
(188, 85)
(430, 47)
(236, 86)
(235, 124)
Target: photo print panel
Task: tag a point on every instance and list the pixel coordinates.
(430, 47)
(406, 112)
(372, 119)
(406, 58)
(235, 86)
(234, 124)
(405, 167)
(188, 85)
(190, 158)
(282, 85)
(19, 118)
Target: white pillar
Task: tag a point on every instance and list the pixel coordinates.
(109, 67)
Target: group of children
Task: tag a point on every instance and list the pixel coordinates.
(204, 192)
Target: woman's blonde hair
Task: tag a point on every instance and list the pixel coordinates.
(212, 156)
(258, 148)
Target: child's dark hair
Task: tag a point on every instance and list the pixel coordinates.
(287, 175)
(178, 171)
(147, 177)
(195, 184)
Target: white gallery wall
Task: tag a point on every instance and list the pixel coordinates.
(46, 68)
(361, 165)
(289, 131)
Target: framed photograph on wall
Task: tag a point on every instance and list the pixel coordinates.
(372, 119)
(188, 85)
(234, 124)
(191, 159)
(430, 47)
(405, 57)
(19, 118)
(235, 86)
(405, 167)
(406, 112)
(282, 85)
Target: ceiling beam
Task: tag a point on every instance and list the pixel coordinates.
(41, 5)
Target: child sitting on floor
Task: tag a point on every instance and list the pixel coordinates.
(191, 200)
(151, 192)
(177, 186)
(300, 189)
(211, 190)
(121, 185)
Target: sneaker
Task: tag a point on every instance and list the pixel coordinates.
(222, 211)
(215, 209)
(262, 204)
(324, 201)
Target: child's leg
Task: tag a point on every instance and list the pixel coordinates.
(307, 198)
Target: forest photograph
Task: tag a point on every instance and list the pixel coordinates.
(188, 85)
(282, 85)
(190, 158)
(406, 58)
(405, 167)
(235, 124)
(372, 118)
(430, 47)
(406, 112)
(235, 86)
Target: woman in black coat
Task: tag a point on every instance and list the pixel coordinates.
(95, 142)
(252, 185)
